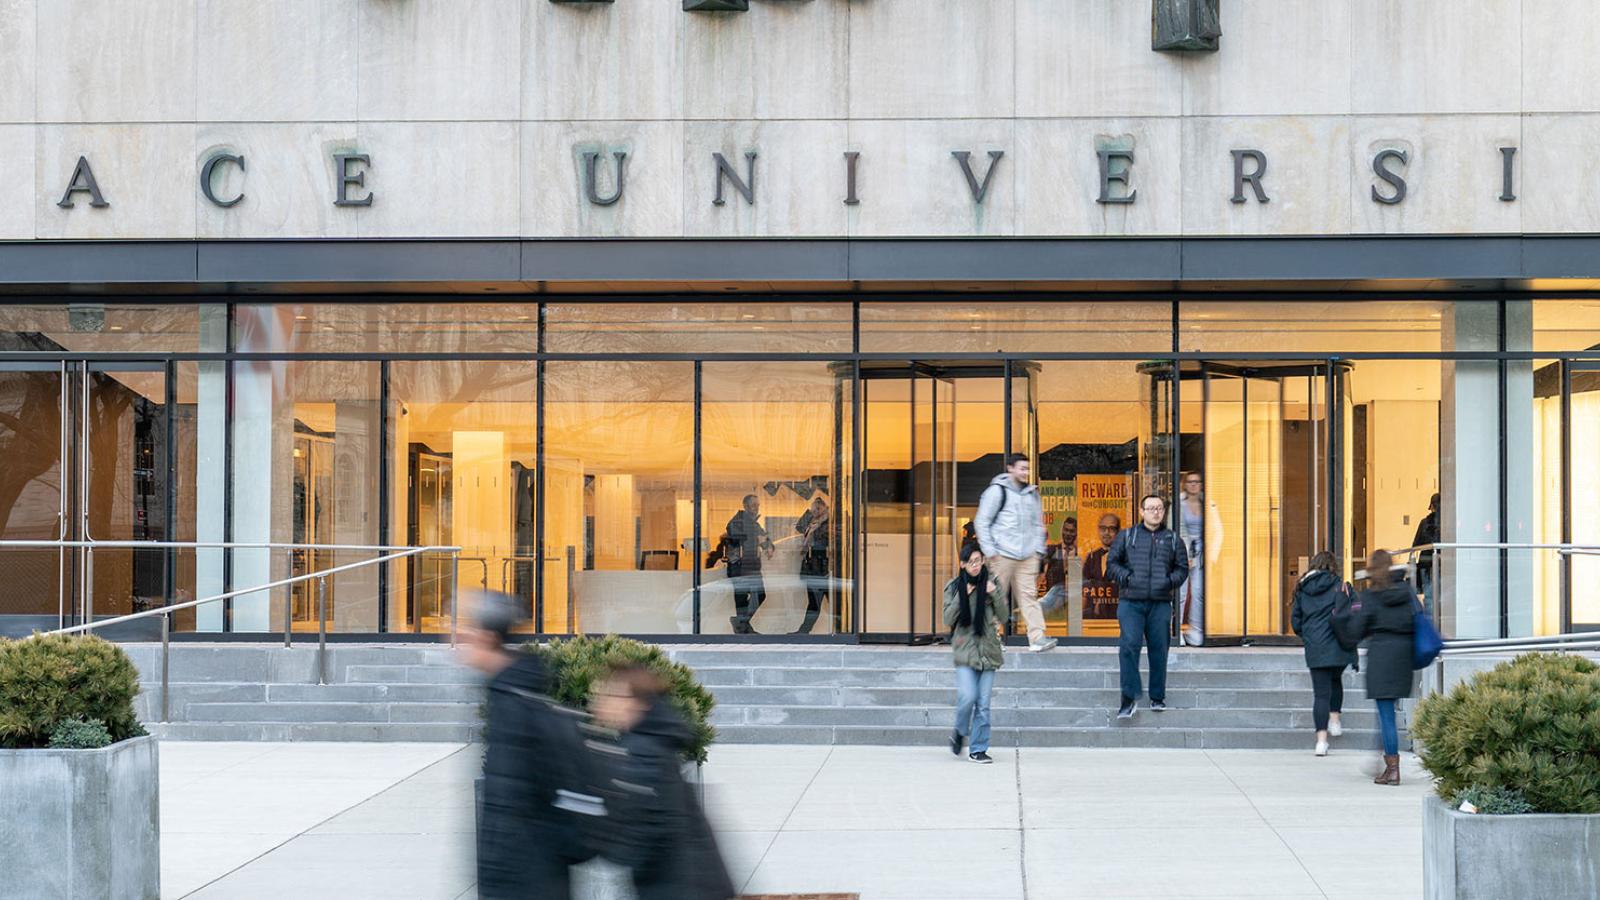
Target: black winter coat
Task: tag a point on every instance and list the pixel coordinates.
(1147, 565)
(1388, 624)
(525, 843)
(658, 829)
(1312, 618)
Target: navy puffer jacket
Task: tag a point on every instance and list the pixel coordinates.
(1148, 565)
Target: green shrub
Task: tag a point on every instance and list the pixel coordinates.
(576, 663)
(1530, 725)
(46, 680)
(76, 734)
(1493, 801)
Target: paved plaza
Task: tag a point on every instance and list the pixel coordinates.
(394, 821)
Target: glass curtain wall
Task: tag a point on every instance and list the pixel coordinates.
(619, 497)
(775, 445)
(369, 444)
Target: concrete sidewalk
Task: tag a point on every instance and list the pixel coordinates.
(394, 821)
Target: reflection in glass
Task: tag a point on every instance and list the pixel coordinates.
(31, 501)
(307, 438)
(976, 326)
(778, 431)
(411, 327)
(794, 325)
(463, 450)
(619, 497)
(1284, 325)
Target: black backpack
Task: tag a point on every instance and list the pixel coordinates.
(1347, 619)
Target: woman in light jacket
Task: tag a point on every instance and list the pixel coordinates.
(974, 608)
(1315, 596)
(1388, 611)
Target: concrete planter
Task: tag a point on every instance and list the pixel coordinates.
(82, 823)
(1552, 857)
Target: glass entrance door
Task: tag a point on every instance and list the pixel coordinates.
(1263, 452)
(89, 452)
(933, 435)
(1580, 474)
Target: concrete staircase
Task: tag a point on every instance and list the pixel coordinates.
(1218, 698)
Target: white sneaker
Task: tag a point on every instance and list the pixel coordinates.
(1334, 728)
(1193, 636)
(1048, 643)
(1322, 748)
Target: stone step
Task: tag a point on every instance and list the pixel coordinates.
(367, 712)
(827, 716)
(769, 656)
(1362, 742)
(1047, 698)
(409, 674)
(316, 731)
(758, 676)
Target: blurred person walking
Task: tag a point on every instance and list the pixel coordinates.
(539, 809)
(1388, 624)
(1319, 593)
(747, 540)
(656, 828)
(974, 609)
(1010, 529)
(812, 526)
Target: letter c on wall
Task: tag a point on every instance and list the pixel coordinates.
(208, 171)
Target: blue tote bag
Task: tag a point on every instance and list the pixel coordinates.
(1426, 642)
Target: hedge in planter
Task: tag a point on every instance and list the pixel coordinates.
(47, 680)
(1530, 726)
(576, 663)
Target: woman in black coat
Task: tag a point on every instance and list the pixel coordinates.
(1319, 591)
(1388, 624)
(657, 827)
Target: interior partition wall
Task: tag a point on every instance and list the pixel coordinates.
(590, 452)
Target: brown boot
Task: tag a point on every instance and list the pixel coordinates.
(1391, 771)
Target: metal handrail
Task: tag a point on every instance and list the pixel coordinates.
(321, 577)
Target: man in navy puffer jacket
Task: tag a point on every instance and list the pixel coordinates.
(1148, 563)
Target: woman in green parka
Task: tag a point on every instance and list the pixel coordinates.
(974, 608)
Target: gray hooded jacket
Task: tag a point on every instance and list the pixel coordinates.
(1014, 529)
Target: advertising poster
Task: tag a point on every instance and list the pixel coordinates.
(1061, 576)
(1060, 501)
(1105, 507)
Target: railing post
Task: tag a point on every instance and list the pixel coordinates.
(455, 593)
(88, 585)
(322, 630)
(166, 684)
(288, 600)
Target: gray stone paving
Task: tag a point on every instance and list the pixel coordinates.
(394, 821)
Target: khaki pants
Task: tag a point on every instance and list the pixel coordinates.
(1021, 580)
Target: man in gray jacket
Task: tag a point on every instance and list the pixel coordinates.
(1010, 527)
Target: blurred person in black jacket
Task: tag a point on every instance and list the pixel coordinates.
(539, 809)
(656, 826)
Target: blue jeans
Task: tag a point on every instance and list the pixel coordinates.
(1391, 733)
(972, 706)
(1142, 621)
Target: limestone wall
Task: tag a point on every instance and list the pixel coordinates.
(475, 116)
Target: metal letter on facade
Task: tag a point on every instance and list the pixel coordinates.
(746, 189)
(979, 191)
(591, 161)
(1240, 176)
(82, 182)
(1508, 157)
(851, 158)
(716, 5)
(341, 171)
(1108, 175)
(1390, 176)
(209, 170)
